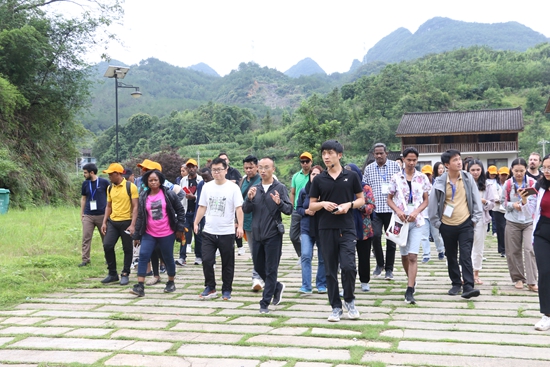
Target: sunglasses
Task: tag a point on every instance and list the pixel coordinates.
(305, 161)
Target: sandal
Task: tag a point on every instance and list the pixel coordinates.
(519, 284)
(533, 287)
(478, 281)
(153, 281)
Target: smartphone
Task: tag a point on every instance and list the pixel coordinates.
(530, 191)
(335, 209)
(127, 231)
(187, 191)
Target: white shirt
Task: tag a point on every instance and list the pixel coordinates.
(220, 202)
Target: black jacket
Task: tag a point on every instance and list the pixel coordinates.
(174, 210)
(264, 225)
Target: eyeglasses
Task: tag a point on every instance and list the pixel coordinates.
(305, 161)
(263, 168)
(218, 170)
(545, 169)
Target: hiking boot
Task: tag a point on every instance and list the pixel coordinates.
(335, 315)
(138, 290)
(208, 293)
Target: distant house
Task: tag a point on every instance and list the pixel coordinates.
(488, 135)
(85, 157)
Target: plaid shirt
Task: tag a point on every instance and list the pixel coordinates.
(374, 176)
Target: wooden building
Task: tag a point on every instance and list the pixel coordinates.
(488, 135)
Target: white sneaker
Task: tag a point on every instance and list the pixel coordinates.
(257, 285)
(543, 324)
(241, 251)
(218, 253)
(188, 248)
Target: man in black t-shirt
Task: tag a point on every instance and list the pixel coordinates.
(92, 208)
(232, 174)
(333, 194)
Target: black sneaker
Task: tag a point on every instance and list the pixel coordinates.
(455, 290)
(389, 275)
(110, 279)
(170, 287)
(471, 293)
(278, 296)
(138, 290)
(84, 263)
(409, 298)
(377, 271)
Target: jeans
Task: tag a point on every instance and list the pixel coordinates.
(415, 238)
(338, 245)
(211, 243)
(266, 255)
(115, 230)
(425, 240)
(306, 259)
(379, 221)
(438, 240)
(148, 246)
(459, 238)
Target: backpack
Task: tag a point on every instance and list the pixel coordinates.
(128, 189)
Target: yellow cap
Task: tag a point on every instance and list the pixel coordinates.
(492, 170)
(504, 171)
(114, 167)
(306, 155)
(427, 169)
(191, 162)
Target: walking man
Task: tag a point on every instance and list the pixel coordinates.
(299, 181)
(267, 201)
(534, 164)
(119, 222)
(220, 200)
(333, 194)
(378, 175)
(251, 179)
(455, 208)
(92, 208)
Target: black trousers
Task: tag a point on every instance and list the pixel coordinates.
(295, 232)
(363, 258)
(338, 245)
(459, 238)
(224, 243)
(541, 245)
(500, 226)
(379, 221)
(115, 230)
(266, 255)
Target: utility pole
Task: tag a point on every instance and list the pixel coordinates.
(543, 142)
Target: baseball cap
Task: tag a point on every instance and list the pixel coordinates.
(191, 162)
(306, 155)
(427, 169)
(150, 165)
(492, 170)
(114, 167)
(504, 171)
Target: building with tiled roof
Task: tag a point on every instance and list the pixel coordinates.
(488, 135)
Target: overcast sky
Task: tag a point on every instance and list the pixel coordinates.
(280, 33)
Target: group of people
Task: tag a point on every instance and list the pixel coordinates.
(342, 209)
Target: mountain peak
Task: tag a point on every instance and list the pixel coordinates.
(204, 68)
(306, 66)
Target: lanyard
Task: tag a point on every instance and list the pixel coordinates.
(522, 184)
(453, 190)
(384, 177)
(411, 187)
(96, 187)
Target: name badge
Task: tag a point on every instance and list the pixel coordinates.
(385, 188)
(409, 209)
(93, 205)
(448, 212)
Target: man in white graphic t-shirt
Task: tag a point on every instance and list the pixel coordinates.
(219, 201)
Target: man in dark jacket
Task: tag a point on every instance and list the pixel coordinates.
(267, 201)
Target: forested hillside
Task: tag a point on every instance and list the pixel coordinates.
(360, 113)
(444, 34)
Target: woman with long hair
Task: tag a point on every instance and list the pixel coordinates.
(486, 192)
(160, 220)
(439, 169)
(541, 243)
(519, 226)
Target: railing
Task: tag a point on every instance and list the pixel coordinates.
(497, 146)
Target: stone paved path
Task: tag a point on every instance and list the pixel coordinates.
(107, 326)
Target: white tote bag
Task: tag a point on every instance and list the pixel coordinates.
(398, 231)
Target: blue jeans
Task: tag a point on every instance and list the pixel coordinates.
(425, 240)
(307, 255)
(166, 246)
(438, 240)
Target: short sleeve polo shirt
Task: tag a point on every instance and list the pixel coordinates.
(121, 204)
(299, 181)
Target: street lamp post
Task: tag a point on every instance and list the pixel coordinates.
(117, 73)
(543, 142)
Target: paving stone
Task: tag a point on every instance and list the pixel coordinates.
(447, 360)
(322, 331)
(54, 306)
(273, 364)
(184, 304)
(148, 347)
(16, 312)
(301, 321)
(306, 340)
(289, 330)
(155, 361)
(18, 365)
(252, 320)
(174, 311)
(178, 336)
(241, 329)
(23, 320)
(312, 364)
(75, 301)
(72, 343)
(467, 319)
(519, 329)
(472, 349)
(496, 338)
(4, 340)
(86, 332)
(450, 311)
(76, 314)
(278, 352)
(35, 330)
(50, 356)
(110, 323)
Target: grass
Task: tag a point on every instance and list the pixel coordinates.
(39, 252)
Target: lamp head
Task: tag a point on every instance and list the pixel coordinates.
(136, 93)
